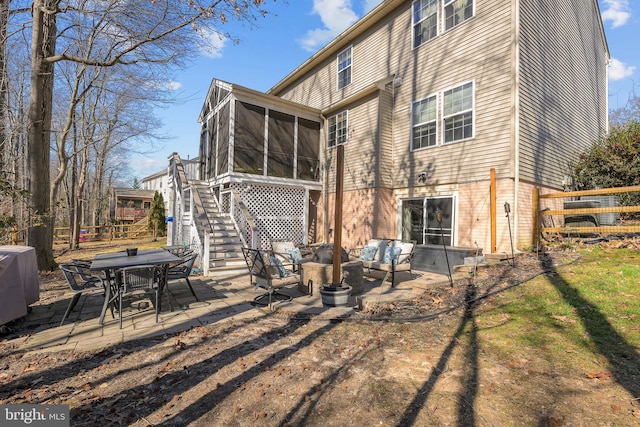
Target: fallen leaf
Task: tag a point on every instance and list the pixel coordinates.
(555, 422)
(600, 375)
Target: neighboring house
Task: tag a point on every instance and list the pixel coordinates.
(128, 205)
(160, 181)
(430, 98)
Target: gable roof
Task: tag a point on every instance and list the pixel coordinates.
(133, 193)
(336, 45)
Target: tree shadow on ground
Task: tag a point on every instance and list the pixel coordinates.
(622, 357)
(466, 416)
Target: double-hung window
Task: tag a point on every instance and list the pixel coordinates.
(425, 21)
(457, 113)
(456, 11)
(337, 132)
(344, 68)
(424, 122)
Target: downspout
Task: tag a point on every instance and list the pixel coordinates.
(516, 118)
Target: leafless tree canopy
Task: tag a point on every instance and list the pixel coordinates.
(80, 79)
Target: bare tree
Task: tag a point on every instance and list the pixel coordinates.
(4, 20)
(129, 33)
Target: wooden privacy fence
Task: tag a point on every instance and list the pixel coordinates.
(585, 212)
(104, 232)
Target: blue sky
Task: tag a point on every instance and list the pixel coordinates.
(284, 40)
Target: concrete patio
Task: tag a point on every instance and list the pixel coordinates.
(221, 300)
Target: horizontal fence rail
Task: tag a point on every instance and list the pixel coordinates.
(575, 213)
(104, 232)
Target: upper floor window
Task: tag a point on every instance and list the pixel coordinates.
(425, 21)
(424, 122)
(344, 68)
(456, 11)
(457, 113)
(337, 132)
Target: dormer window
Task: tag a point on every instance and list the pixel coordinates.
(344, 68)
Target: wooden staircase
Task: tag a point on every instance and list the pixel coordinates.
(225, 245)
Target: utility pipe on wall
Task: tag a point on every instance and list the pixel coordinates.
(492, 196)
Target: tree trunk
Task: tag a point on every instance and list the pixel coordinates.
(40, 231)
(4, 141)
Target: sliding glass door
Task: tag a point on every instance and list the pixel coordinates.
(421, 222)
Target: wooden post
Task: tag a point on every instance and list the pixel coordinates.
(337, 223)
(492, 196)
(535, 209)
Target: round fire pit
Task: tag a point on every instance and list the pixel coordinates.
(320, 270)
(324, 254)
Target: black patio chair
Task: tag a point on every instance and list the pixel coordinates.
(144, 278)
(265, 275)
(182, 270)
(80, 280)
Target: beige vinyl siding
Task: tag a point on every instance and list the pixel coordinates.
(362, 160)
(478, 50)
(374, 58)
(562, 85)
(385, 138)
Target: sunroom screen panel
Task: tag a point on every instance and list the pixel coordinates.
(212, 130)
(308, 150)
(248, 139)
(281, 145)
(223, 140)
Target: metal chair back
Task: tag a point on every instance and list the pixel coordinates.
(80, 281)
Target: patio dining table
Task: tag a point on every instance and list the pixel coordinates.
(111, 262)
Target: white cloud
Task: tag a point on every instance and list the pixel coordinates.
(336, 16)
(174, 85)
(142, 167)
(370, 4)
(212, 43)
(619, 70)
(618, 12)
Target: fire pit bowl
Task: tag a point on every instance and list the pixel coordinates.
(324, 254)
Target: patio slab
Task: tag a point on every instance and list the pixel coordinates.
(220, 300)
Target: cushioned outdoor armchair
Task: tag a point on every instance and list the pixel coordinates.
(388, 255)
(290, 254)
(267, 272)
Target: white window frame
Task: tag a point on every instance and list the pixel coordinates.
(337, 136)
(346, 68)
(459, 112)
(416, 125)
(415, 23)
(450, 233)
(447, 3)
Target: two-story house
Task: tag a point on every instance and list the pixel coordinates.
(435, 102)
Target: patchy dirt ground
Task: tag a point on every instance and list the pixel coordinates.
(418, 363)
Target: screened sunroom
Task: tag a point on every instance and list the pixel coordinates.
(268, 150)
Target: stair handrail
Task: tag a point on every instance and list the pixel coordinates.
(243, 220)
(198, 206)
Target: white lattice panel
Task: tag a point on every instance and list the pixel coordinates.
(279, 212)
